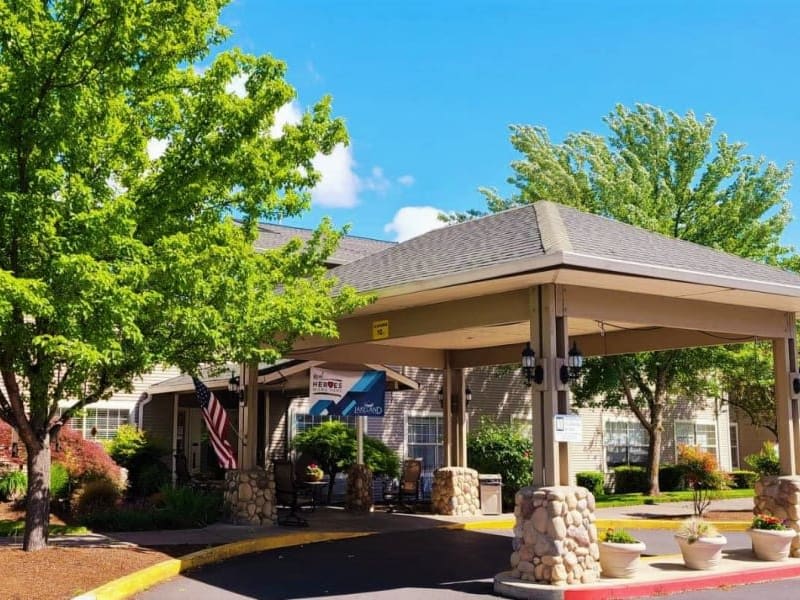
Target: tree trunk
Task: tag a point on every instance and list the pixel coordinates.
(654, 454)
(37, 515)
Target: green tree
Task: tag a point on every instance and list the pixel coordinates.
(332, 444)
(663, 172)
(503, 449)
(113, 259)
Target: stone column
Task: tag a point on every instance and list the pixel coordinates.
(359, 489)
(249, 497)
(555, 538)
(780, 497)
(455, 492)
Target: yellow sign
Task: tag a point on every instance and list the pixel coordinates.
(380, 329)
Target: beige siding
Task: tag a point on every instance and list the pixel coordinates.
(157, 419)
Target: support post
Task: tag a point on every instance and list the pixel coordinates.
(786, 413)
(447, 417)
(175, 397)
(463, 423)
(249, 433)
(360, 423)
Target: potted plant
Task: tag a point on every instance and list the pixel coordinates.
(619, 553)
(772, 540)
(314, 473)
(700, 543)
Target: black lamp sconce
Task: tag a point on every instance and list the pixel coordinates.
(796, 385)
(235, 387)
(455, 399)
(569, 371)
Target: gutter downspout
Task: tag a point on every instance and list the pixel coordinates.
(145, 398)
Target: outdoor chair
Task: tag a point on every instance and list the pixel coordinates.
(409, 486)
(289, 493)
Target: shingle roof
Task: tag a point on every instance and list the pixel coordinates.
(540, 231)
(350, 247)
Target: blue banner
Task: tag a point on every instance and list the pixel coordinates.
(347, 393)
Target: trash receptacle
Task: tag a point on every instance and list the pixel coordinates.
(491, 493)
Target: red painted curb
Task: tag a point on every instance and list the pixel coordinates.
(696, 582)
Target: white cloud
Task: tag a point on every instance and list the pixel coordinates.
(236, 85)
(406, 180)
(290, 114)
(376, 182)
(339, 185)
(156, 148)
(411, 221)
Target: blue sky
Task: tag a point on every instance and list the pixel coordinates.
(428, 89)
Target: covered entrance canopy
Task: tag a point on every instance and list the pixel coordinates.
(474, 293)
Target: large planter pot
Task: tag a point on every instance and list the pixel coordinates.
(772, 545)
(620, 560)
(704, 553)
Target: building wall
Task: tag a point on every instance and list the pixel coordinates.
(158, 417)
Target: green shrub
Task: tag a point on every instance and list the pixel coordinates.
(13, 485)
(126, 519)
(591, 480)
(671, 478)
(136, 451)
(380, 459)
(766, 462)
(502, 449)
(149, 479)
(617, 536)
(630, 480)
(743, 480)
(59, 481)
(95, 496)
(182, 508)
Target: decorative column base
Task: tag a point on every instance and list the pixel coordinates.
(250, 497)
(555, 538)
(455, 492)
(359, 489)
(780, 497)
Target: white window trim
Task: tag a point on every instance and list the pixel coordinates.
(694, 423)
(731, 427)
(616, 419)
(415, 413)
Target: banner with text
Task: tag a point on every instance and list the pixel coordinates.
(347, 393)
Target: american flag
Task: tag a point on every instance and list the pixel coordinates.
(216, 422)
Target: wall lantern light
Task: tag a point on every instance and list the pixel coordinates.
(235, 388)
(796, 385)
(454, 399)
(571, 371)
(531, 371)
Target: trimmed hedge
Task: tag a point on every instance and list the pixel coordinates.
(630, 480)
(592, 481)
(743, 480)
(671, 478)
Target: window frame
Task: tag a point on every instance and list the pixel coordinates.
(628, 423)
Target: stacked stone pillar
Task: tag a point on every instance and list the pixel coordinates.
(555, 537)
(249, 497)
(780, 497)
(455, 492)
(359, 489)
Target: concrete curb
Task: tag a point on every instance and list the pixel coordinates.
(126, 586)
(603, 524)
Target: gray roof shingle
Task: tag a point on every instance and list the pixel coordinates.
(540, 230)
(350, 247)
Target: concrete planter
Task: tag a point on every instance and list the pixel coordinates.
(772, 545)
(702, 554)
(620, 560)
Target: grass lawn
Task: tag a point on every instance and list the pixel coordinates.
(683, 496)
(14, 528)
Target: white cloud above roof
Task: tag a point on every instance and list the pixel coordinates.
(411, 221)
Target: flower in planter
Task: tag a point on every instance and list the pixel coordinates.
(768, 522)
(313, 471)
(695, 528)
(618, 536)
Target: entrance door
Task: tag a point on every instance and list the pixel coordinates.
(190, 423)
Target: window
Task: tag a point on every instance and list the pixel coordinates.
(304, 422)
(735, 446)
(702, 435)
(99, 423)
(626, 443)
(425, 439)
